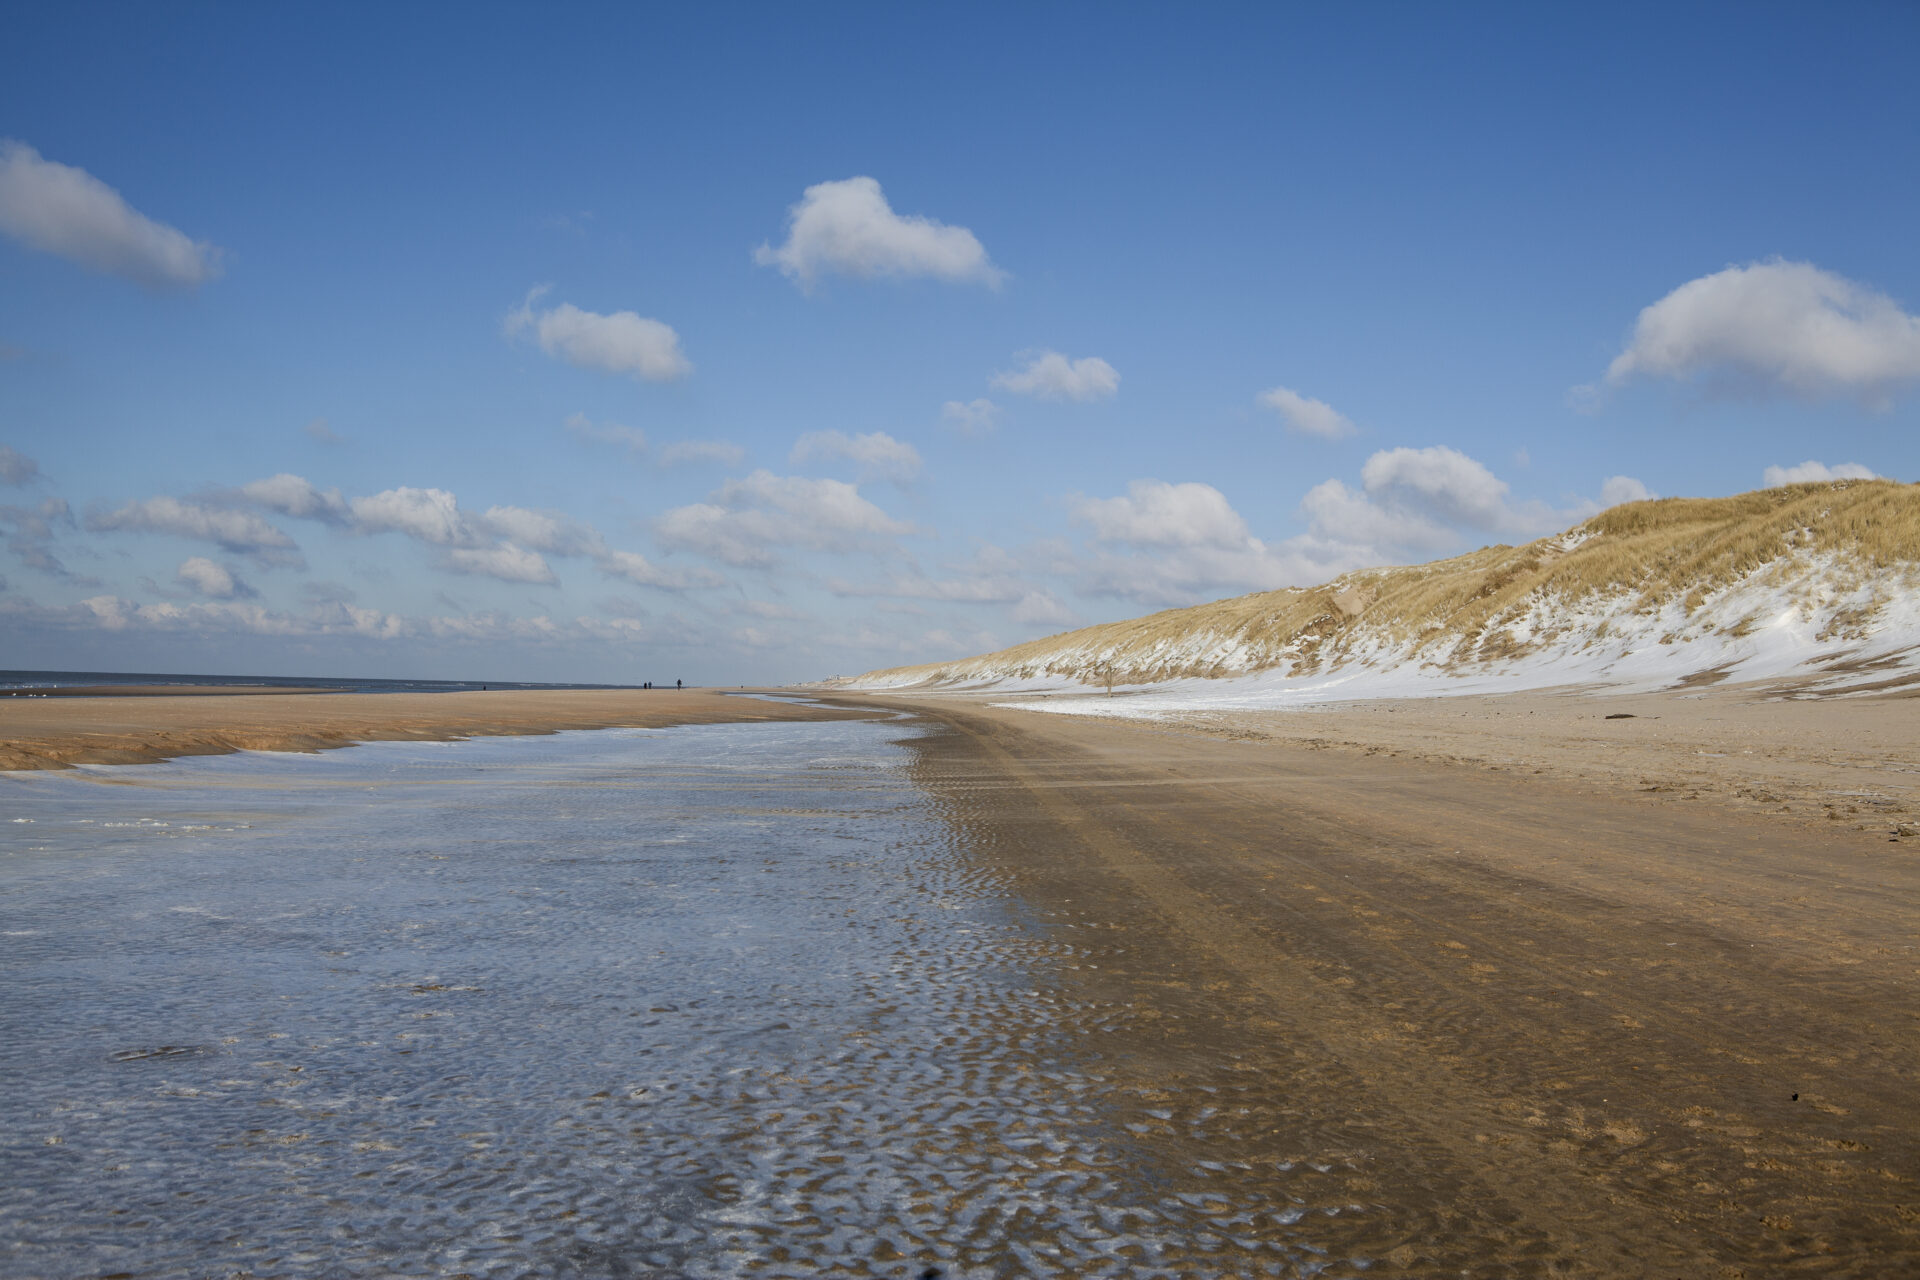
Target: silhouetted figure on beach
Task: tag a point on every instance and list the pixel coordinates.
(678, 685)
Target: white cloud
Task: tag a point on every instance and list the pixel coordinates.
(1415, 503)
(1344, 515)
(624, 342)
(430, 515)
(297, 497)
(830, 506)
(637, 569)
(1810, 472)
(1788, 324)
(550, 531)
(1441, 481)
(61, 210)
(750, 520)
(1157, 514)
(1163, 544)
(685, 451)
(745, 539)
(1041, 609)
(1303, 413)
(17, 468)
(1052, 376)
(212, 579)
(242, 532)
(877, 453)
(1615, 490)
(506, 562)
(848, 227)
(971, 417)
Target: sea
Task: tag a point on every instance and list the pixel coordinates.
(711, 1001)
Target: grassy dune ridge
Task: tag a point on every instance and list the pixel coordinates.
(1831, 562)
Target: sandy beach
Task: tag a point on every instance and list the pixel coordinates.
(56, 733)
(1594, 1001)
(1617, 986)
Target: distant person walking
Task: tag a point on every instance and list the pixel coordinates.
(678, 685)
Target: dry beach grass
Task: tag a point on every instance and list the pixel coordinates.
(1468, 610)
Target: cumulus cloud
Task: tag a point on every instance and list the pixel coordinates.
(294, 496)
(112, 613)
(624, 342)
(971, 417)
(507, 562)
(1420, 502)
(1341, 514)
(334, 618)
(1783, 324)
(1157, 514)
(686, 451)
(1163, 543)
(17, 468)
(241, 532)
(429, 515)
(61, 210)
(1049, 375)
(877, 453)
(633, 567)
(1303, 413)
(212, 579)
(632, 439)
(848, 227)
(1042, 609)
(749, 521)
(1443, 482)
(1810, 472)
(506, 542)
(1615, 490)
(550, 531)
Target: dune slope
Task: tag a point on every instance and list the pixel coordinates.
(1817, 580)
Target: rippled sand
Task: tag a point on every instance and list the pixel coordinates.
(968, 991)
(736, 1000)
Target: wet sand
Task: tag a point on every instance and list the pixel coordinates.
(1532, 991)
(1558, 1027)
(56, 733)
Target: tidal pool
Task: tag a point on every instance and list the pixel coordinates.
(724, 1000)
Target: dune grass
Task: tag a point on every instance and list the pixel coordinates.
(1640, 557)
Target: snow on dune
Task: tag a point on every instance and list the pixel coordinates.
(1822, 582)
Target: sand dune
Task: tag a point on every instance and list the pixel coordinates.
(1814, 580)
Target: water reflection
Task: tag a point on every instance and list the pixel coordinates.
(716, 1001)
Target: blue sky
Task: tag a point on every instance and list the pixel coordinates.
(755, 344)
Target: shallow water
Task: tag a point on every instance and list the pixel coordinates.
(716, 1001)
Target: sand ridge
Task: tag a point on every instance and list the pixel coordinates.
(56, 733)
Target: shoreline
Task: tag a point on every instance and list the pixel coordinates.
(60, 733)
